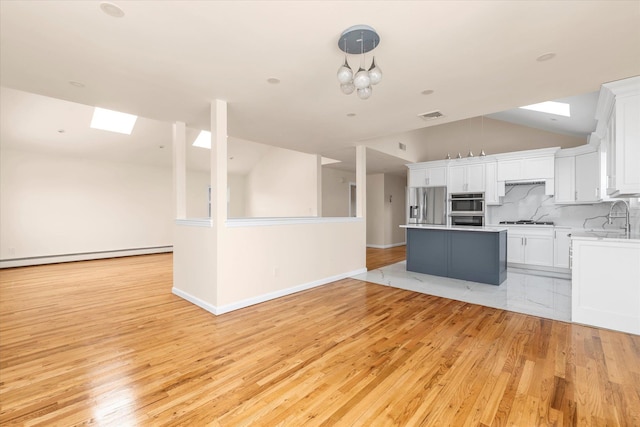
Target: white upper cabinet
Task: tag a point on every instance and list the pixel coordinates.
(467, 178)
(618, 115)
(577, 177)
(527, 168)
(491, 184)
(421, 175)
(588, 177)
(436, 176)
(565, 179)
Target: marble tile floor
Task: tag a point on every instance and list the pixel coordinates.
(522, 292)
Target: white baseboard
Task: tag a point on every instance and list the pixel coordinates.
(262, 298)
(393, 245)
(85, 256)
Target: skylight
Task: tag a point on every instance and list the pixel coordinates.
(113, 121)
(203, 140)
(328, 161)
(551, 107)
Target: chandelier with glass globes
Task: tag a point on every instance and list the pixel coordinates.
(358, 40)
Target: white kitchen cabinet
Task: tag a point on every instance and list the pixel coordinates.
(618, 126)
(491, 184)
(515, 248)
(526, 168)
(605, 290)
(565, 179)
(466, 178)
(417, 177)
(561, 247)
(530, 245)
(587, 177)
(577, 175)
(436, 176)
(428, 176)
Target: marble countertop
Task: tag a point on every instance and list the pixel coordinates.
(524, 225)
(608, 236)
(493, 229)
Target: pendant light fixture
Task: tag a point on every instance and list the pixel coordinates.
(359, 39)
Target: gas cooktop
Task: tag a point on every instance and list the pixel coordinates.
(527, 222)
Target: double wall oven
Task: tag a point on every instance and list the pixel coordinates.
(466, 209)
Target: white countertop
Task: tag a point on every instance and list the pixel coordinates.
(493, 229)
(524, 225)
(608, 236)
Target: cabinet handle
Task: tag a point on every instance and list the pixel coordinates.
(426, 180)
(575, 196)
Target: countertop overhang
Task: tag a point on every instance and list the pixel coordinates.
(455, 228)
(606, 236)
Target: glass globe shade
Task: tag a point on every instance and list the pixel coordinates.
(375, 73)
(365, 92)
(347, 88)
(361, 80)
(345, 74)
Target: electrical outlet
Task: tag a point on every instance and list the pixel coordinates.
(12, 251)
(275, 271)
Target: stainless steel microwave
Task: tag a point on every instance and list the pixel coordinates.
(466, 204)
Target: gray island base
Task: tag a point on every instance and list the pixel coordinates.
(477, 255)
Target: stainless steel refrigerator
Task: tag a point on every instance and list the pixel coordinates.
(427, 205)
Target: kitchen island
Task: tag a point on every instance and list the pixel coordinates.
(477, 254)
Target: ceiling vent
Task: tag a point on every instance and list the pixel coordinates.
(430, 116)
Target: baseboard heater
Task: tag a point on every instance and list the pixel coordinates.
(82, 256)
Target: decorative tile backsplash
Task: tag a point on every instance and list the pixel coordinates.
(530, 202)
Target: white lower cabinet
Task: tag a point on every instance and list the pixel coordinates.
(561, 247)
(530, 245)
(605, 285)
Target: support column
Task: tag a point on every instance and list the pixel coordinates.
(361, 181)
(319, 186)
(179, 170)
(219, 161)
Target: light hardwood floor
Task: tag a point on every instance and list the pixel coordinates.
(105, 342)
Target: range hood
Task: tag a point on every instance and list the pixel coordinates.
(526, 182)
(549, 185)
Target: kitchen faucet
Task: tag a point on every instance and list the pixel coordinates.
(625, 215)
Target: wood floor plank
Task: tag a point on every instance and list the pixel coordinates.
(106, 342)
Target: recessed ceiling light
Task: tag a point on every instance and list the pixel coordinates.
(273, 80)
(111, 9)
(351, 114)
(76, 84)
(427, 92)
(551, 107)
(203, 140)
(546, 57)
(113, 121)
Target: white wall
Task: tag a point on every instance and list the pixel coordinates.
(237, 196)
(395, 209)
(494, 136)
(335, 192)
(375, 210)
(54, 205)
(197, 194)
(284, 183)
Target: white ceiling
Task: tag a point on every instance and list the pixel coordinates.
(167, 60)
